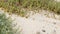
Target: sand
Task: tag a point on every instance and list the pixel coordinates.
(38, 23)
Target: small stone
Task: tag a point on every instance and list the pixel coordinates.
(37, 32)
(54, 23)
(43, 30)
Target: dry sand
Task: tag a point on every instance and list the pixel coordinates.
(38, 23)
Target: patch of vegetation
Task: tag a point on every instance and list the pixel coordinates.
(11, 6)
(6, 25)
(14, 6)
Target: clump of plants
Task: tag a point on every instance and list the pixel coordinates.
(11, 6)
(6, 25)
(51, 5)
(15, 6)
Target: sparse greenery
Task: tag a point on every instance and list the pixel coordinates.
(11, 6)
(6, 25)
(14, 6)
